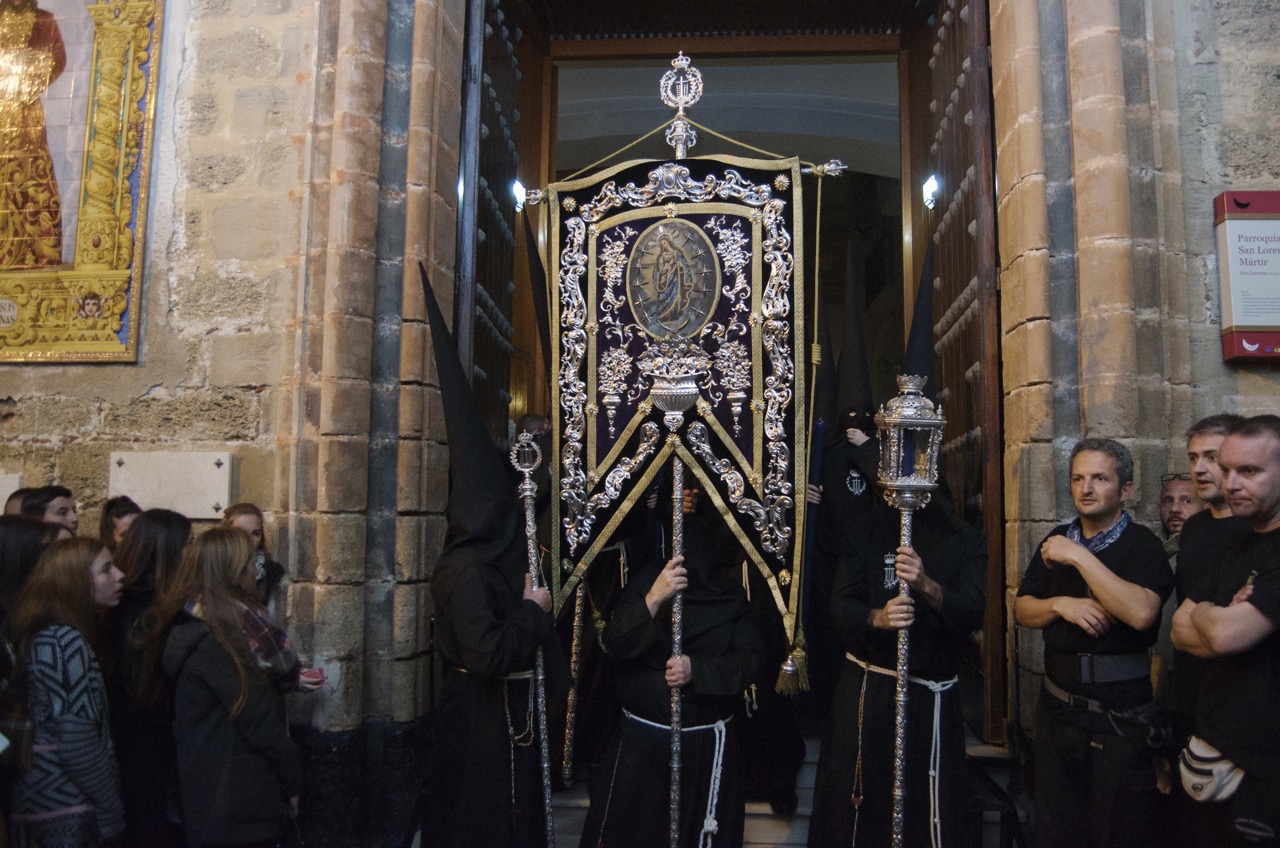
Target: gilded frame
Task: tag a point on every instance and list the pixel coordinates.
(44, 312)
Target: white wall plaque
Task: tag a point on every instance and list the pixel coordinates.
(198, 484)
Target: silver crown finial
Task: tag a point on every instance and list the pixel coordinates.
(681, 87)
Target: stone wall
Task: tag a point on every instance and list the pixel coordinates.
(1114, 130)
(1228, 66)
(305, 162)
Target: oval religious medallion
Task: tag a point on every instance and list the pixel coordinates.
(673, 280)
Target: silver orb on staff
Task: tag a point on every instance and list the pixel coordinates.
(910, 438)
(526, 456)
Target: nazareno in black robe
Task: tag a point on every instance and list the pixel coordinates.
(484, 783)
(484, 632)
(630, 795)
(955, 556)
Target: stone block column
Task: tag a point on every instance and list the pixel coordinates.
(1093, 305)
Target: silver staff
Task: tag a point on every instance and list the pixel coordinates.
(575, 671)
(673, 395)
(910, 437)
(526, 456)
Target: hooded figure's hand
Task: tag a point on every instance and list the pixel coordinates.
(539, 596)
(672, 579)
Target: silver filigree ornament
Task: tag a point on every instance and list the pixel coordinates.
(615, 368)
(680, 88)
(734, 365)
(671, 181)
(734, 250)
(673, 368)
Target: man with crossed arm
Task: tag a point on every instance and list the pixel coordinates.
(1230, 619)
(1095, 587)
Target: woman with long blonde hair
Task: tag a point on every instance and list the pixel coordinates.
(237, 766)
(267, 572)
(70, 798)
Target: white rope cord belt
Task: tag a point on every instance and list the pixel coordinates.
(709, 824)
(937, 687)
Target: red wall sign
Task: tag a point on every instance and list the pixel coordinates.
(1247, 224)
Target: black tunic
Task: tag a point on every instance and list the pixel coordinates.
(955, 557)
(485, 631)
(629, 797)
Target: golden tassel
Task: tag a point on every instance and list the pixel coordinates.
(794, 676)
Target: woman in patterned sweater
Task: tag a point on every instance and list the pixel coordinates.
(71, 796)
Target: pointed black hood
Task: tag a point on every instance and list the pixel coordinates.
(483, 505)
(919, 359)
(853, 375)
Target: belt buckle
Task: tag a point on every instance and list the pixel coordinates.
(1086, 668)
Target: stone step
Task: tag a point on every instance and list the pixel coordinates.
(763, 828)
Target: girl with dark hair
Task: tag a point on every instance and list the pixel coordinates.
(118, 514)
(141, 706)
(236, 763)
(54, 504)
(70, 798)
(267, 572)
(21, 540)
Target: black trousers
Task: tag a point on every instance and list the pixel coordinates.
(1094, 788)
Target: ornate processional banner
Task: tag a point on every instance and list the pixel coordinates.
(678, 309)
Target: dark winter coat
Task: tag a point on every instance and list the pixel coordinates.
(234, 773)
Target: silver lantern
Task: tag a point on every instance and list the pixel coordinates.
(910, 438)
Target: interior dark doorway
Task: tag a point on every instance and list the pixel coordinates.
(939, 60)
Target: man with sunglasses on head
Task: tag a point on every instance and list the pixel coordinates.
(1179, 501)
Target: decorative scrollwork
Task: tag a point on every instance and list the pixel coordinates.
(619, 474)
(700, 443)
(730, 368)
(88, 311)
(670, 181)
(573, 390)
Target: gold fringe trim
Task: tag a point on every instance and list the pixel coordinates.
(794, 676)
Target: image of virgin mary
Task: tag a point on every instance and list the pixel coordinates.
(32, 56)
(672, 280)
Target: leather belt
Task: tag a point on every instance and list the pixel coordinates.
(1074, 700)
(1089, 669)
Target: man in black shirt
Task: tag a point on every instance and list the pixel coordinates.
(1095, 587)
(1205, 538)
(1231, 620)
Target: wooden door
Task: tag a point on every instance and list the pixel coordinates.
(487, 224)
(947, 133)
